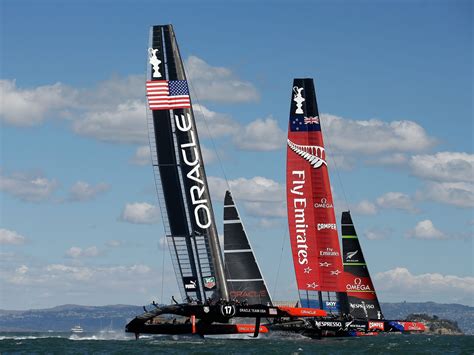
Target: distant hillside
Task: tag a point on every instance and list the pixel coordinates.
(463, 315)
(62, 318)
(436, 325)
(93, 319)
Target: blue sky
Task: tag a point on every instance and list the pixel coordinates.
(79, 216)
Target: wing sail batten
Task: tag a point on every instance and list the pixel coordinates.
(244, 278)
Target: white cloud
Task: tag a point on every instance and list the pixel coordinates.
(54, 284)
(261, 135)
(114, 243)
(217, 83)
(9, 237)
(342, 162)
(29, 107)
(397, 200)
(209, 155)
(112, 92)
(267, 223)
(400, 283)
(377, 233)
(458, 194)
(124, 123)
(374, 136)
(77, 252)
(259, 196)
(451, 175)
(213, 124)
(82, 191)
(392, 159)
(142, 156)
(256, 189)
(140, 213)
(426, 230)
(28, 187)
(444, 167)
(265, 209)
(162, 243)
(366, 208)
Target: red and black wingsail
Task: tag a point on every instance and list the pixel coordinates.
(181, 181)
(311, 218)
(362, 299)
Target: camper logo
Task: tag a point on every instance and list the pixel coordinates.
(209, 282)
(376, 326)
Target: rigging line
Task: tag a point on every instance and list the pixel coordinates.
(208, 130)
(329, 149)
(279, 263)
(163, 268)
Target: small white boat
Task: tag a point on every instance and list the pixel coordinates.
(77, 329)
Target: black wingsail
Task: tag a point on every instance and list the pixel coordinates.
(362, 299)
(181, 182)
(244, 279)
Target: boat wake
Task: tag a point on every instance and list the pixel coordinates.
(102, 336)
(28, 337)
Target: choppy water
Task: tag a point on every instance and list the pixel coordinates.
(121, 343)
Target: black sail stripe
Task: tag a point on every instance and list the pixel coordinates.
(355, 265)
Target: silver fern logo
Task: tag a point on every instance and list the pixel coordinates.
(312, 153)
(350, 254)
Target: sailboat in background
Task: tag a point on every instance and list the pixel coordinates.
(343, 288)
(244, 278)
(311, 218)
(361, 296)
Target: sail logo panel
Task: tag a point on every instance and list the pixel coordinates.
(311, 218)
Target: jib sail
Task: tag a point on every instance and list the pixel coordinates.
(180, 178)
(311, 218)
(362, 299)
(244, 278)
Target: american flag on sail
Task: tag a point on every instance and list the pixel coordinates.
(167, 94)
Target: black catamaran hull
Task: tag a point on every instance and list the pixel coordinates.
(214, 319)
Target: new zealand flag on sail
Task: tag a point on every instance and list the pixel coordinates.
(304, 124)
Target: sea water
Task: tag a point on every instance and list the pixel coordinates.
(121, 343)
